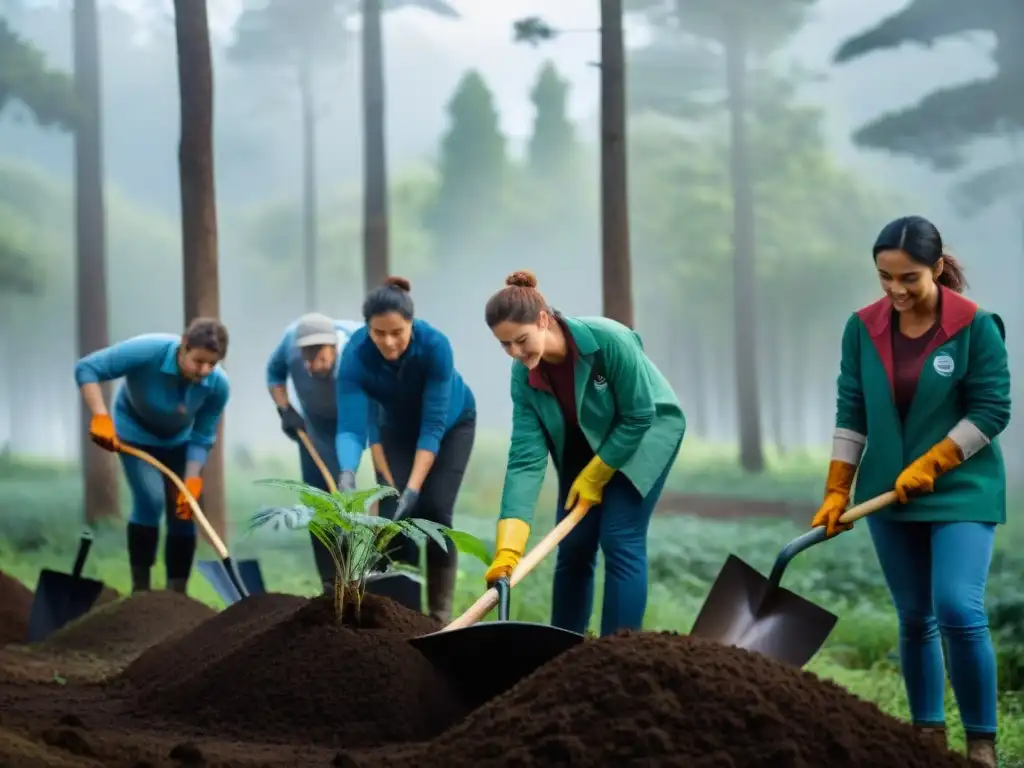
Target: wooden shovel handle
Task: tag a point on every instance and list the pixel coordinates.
(489, 599)
(853, 514)
(197, 513)
(332, 486)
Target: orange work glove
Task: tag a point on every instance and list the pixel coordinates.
(837, 498)
(920, 475)
(195, 487)
(101, 430)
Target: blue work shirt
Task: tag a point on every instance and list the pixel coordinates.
(317, 395)
(420, 395)
(156, 405)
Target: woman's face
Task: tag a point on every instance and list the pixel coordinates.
(906, 282)
(320, 360)
(524, 342)
(196, 364)
(391, 334)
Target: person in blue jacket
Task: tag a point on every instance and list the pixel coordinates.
(308, 354)
(170, 406)
(398, 389)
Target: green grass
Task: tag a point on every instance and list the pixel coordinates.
(40, 525)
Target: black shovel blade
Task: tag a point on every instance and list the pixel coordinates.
(743, 610)
(60, 599)
(221, 579)
(485, 660)
(252, 576)
(403, 588)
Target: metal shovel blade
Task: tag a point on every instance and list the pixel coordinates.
(252, 576)
(744, 610)
(224, 578)
(60, 599)
(488, 658)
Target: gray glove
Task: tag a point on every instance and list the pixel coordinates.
(347, 481)
(406, 503)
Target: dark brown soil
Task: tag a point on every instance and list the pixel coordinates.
(129, 626)
(15, 606)
(668, 700)
(273, 681)
(306, 678)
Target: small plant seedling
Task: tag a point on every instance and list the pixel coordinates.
(358, 542)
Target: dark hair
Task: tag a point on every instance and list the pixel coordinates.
(209, 334)
(518, 302)
(920, 240)
(393, 296)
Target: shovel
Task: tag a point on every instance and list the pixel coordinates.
(489, 658)
(223, 576)
(60, 597)
(746, 610)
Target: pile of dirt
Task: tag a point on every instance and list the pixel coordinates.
(15, 607)
(178, 657)
(308, 679)
(131, 625)
(669, 700)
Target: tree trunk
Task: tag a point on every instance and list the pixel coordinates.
(99, 467)
(774, 374)
(376, 244)
(310, 227)
(616, 278)
(199, 207)
(744, 271)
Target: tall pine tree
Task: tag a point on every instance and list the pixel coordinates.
(552, 149)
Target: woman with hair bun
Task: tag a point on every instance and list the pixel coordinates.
(585, 393)
(397, 387)
(923, 393)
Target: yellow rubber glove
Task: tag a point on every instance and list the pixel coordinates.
(837, 498)
(920, 475)
(588, 488)
(508, 548)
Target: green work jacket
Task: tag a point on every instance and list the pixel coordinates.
(627, 411)
(965, 376)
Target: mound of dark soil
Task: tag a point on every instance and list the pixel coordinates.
(15, 606)
(185, 654)
(130, 625)
(671, 701)
(307, 679)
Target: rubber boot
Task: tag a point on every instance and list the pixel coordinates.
(178, 585)
(142, 544)
(441, 588)
(982, 751)
(179, 552)
(934, 733)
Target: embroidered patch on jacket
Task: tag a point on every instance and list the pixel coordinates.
(600, 383)
(943, 364)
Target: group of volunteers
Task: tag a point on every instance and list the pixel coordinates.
(923, 393)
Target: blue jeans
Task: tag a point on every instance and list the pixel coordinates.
(153, 496)
(618, 526)
(936, 573)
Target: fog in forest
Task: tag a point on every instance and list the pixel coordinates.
(486, 177)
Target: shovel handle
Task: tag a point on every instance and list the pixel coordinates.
(332, 486)
(486, 602)
(197, 513)
(853, 514)
(84, 545)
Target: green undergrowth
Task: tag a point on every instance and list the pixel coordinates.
(39, 526)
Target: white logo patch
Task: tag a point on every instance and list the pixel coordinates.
(944, 365)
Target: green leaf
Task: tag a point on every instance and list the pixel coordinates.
(434, 531)
(469, 544)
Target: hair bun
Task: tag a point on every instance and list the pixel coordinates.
(521, 279)
(398, 282)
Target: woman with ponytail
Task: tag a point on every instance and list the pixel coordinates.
(583, 391)
(398, 387)
(923, 393)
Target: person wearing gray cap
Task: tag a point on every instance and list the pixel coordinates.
(308, 354)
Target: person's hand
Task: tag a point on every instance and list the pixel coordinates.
(508, 548)
(837, 498)
(291, 422)
(101, 430)
(347, 481)
(920, 475)
(588, 488)
(183, 510)
(406, 503)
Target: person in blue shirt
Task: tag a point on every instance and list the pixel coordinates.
(399, 390)
(170, 406)
(308, 354)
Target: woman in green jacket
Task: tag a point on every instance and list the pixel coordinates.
(584, 391)
(923, 391)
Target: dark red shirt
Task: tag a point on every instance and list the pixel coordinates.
(561, 378)
(908, 356)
